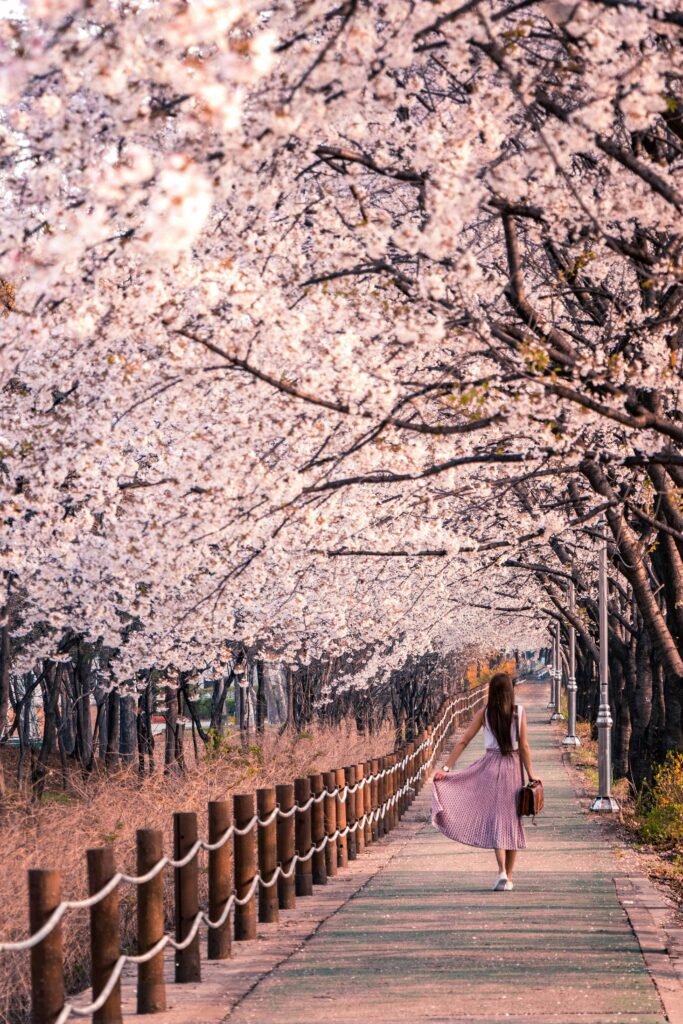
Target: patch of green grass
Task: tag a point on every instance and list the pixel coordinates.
(52, 797)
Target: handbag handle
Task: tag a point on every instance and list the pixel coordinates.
(519, 746)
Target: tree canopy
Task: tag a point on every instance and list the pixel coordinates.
(337, 328)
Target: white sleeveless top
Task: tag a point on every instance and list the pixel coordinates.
(490, 741)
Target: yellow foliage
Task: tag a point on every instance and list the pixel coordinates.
(662, 820)
(478, 673)
(8, 294)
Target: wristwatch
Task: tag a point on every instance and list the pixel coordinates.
(445, 768)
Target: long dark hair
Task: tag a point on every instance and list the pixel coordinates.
(500, 709)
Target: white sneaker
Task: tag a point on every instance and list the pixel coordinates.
(508, 887)
(501, 883)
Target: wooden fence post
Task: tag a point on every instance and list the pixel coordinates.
(318, 830)
(304, 869)
(374, 798)
(360, 809)
(342, 844)
(105, 945)
(47, 958)
(245, 866)
(398, 783)
(391, 780)
(151, 984)
(186, 880)
(220, 879)
(420, 761)
(286, 847)
(400, 774)
(367, 801)
(404, 775)
(400, 806)
(330, 780)
(410, 771)
(389, 816)
(350, 778)
(381, 796)
(396, 757)
(267, 856)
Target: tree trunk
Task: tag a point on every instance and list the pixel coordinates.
(218, 697)
(113, 728)
(622, 719)
(104, 727)
(128, 729)
(171, 716)
(83, 740)
(640, 705)
(290, 699)
(144, 731)
(261, 702)
(633, 567)
(673, 715)
(179, 744)
(51, 690)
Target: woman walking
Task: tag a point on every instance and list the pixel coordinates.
(478, 806)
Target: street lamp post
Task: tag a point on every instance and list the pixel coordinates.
(571, 739)
(604, 802)
(551, 673)
(557, 715)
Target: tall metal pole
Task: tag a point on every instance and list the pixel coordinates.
(571, 739)
(551, 673)
(557, 715)
(604, 802)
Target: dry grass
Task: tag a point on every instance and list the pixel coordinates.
(108, 810)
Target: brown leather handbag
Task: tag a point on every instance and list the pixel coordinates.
(530, 797)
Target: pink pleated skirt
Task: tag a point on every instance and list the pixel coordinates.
(478, 806)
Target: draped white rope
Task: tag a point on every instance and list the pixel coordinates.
(341, 793)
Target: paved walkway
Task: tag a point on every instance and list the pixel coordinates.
(427, 940)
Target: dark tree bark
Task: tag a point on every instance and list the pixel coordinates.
(5, 653)
(673, 716)
(104, 727)
(261, 702)
(171, 716)
(67, 724)
(128, 729)
(144, 730)
(633, 567)
(622, 719)
(51, 686)
(113, 728)
(82, 679)
(218, 698)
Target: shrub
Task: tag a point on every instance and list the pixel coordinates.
(661, 805)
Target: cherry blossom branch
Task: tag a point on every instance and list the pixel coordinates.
(643, 420)
(367, 552)
(279, 384)
(393, 478)
(328, 153)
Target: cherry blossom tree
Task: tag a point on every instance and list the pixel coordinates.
(331, 331)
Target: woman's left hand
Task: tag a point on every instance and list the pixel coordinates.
(438, 776)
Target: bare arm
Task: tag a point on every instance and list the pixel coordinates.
(468, 735)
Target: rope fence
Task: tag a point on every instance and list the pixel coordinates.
(276, 847)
